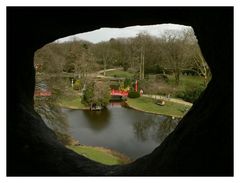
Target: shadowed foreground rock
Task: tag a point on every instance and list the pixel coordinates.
(202, 143)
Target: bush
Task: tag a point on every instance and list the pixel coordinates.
(77, 85)
(133, 94)
(125, 66)
(190, 95)
(146, 77)
(88, 93)
(164, 89)
(189, 72)
(127, 82)
(69, 67)
(162, 77)
(115, 86)
(154, 69)
(96, 93)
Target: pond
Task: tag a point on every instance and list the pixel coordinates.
(120, 128)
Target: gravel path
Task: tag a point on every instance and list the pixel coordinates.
(168, 99)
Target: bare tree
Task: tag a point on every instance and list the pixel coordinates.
(51, 62)
(104, 53)
(200, 64)
(140, 44)
(177, 51)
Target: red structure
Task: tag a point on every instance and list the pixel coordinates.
(119, 93)
(136, 86)
(42, 93)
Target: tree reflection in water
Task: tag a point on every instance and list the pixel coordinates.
(98, 120)
(154, 129)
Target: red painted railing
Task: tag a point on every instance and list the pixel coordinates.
(119, 93)
(42, 93)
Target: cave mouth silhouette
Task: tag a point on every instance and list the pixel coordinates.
(52, 56)
(202, 143)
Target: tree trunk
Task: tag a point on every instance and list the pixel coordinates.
(143, 67)
(140, 74)
(104, 73)
(177, 76)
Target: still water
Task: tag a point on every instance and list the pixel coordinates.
(120, 128)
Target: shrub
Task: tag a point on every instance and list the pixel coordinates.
(164, 89)
(154, 69)
(162, 77)
(115, 86)
(127, 82)
(88, 93)
(190, 95)
(133, 94)
(146, 77)
(97, 93)
(125, 66)
(69, 67)
(77, 85)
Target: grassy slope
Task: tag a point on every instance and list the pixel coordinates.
(148, 105)
(72, 102)
(100, 155)
(120, 74)
(186, 82)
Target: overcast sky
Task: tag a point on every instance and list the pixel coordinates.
(105, 34)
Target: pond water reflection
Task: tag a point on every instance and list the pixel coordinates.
(128, 131)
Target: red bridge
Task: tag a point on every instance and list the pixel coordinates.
(119, 93)
(42, 93)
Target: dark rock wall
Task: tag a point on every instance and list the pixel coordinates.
(202, 143)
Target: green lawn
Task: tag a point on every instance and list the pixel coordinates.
(148, 105)
(120, 74)
(186, 82)
(73, 102)
(101, 155)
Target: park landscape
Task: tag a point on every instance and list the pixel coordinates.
(76, 80)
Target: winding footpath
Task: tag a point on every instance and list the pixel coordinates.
(175, 100)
